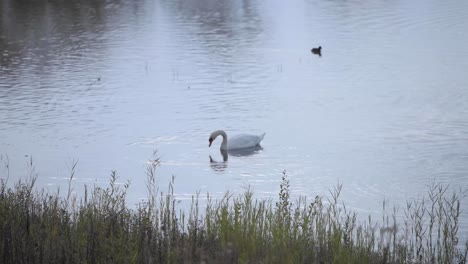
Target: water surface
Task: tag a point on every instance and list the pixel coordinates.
(383, 111)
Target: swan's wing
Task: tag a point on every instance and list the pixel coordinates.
(244, 141)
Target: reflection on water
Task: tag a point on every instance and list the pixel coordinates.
(245, 152)
(219, 166)
(385, 112)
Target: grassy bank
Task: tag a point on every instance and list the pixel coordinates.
(38, 227)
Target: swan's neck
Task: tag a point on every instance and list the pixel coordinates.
(224, 135)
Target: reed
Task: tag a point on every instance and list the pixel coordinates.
(37, 227)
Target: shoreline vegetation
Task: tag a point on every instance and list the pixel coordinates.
(38, 227)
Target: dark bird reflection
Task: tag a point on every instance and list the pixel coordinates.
(222, 165)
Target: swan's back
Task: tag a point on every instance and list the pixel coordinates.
(244, 141)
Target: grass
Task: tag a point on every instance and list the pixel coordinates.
(37, 227)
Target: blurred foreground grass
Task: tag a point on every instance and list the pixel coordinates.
(38, 227)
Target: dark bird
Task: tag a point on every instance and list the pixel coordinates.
(317, 51)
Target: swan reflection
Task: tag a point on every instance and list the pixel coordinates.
(222, 165)
(218, 165)
(245, 151)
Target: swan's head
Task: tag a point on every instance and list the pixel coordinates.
(212, 137)
(215, 134)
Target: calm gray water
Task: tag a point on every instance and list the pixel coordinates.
(383, 111)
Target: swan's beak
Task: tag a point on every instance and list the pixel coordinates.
(211, 141)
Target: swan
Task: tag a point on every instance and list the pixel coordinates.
(241, 141)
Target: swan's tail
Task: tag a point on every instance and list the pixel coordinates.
(261, 137)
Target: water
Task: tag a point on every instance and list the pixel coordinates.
(383, 111)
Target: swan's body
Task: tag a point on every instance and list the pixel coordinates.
(241, 141)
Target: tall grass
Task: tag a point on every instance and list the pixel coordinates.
(37, 227)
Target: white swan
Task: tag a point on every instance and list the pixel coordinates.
(236, 142)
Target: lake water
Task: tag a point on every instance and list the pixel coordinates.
(383, 111)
